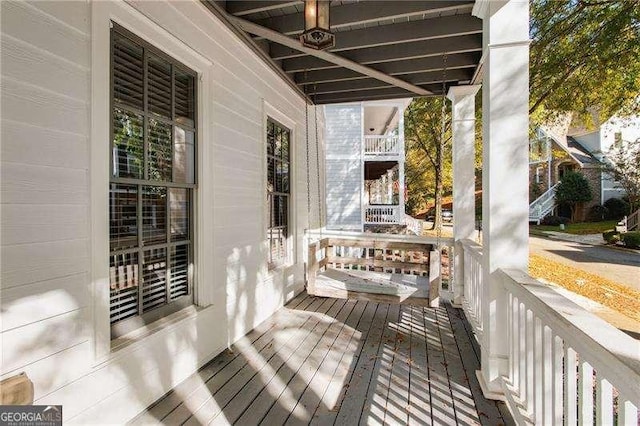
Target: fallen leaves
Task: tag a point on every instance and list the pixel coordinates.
(606, 292)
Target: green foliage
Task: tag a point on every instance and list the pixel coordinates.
(597, 213)
(631, 239)
(585, 57)
(617, 208)
(611, 237)
(555, 221)
(572, 190)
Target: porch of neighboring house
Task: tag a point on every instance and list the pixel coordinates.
(343, 362)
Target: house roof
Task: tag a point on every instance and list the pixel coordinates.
(383, 50)
(579, 152)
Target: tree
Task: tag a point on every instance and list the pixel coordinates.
(572, 190)
(423, 137)
(585, 58)
(622, 163)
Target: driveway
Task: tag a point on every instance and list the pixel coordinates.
(616, 265)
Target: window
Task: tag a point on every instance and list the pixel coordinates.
(278, 172)
(538, 174)
(152, 179)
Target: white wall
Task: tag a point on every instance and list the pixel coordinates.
(51, 325)
(344, 169)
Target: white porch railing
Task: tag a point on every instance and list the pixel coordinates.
(543, 205)
(380, 215)
(472, 282)
(631, 222)
(565, 365)
(414, 225)
(382, 145)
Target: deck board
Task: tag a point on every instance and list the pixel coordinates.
(339, 362)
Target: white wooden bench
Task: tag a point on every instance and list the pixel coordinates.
(374, 270)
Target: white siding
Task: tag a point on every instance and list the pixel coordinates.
(344, 173)
(48, 328)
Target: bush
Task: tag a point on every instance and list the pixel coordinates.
(611, 237)
(631, 239)
(617, 208)
(555, 221)
(597, 213)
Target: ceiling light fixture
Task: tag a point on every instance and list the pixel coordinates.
(317, 34)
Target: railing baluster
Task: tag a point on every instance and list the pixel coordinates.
(522, 350)
(547, 375)
(627, 413)
(558, 351)
(585, 394)
(604, 402)
(538, 391)
(529, 361)
(571, 387)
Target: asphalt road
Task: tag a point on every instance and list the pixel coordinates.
(619, 266)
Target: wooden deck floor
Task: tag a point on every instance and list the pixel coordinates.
(335, 362)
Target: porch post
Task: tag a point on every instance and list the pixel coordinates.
(505, 120)
(463, 127)
(401, 164)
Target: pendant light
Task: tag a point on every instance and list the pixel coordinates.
(317, 34)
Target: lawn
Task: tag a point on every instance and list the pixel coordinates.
(579, 228)
(606, 292)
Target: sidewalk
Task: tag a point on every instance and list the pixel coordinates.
(593, 239)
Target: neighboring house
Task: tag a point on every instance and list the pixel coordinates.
(365, 159)
(557, 149)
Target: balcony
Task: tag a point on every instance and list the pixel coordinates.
(382, 146)
(382, 215)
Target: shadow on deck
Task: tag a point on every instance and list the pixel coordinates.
(329, 361)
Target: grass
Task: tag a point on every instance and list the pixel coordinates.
(579, 228)
(606, 292)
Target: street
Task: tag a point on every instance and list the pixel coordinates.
(617, 265)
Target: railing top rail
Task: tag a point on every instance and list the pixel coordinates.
(351, 235)
(606, 348)
(545, 197)
(379, 137)
(472, 247)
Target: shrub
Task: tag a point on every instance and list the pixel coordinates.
(631, 239)
(617, 208)
(611, 237)
(572, 190)
(555, 220)
(597, 213)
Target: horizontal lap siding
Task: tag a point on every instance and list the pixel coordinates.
(45, 197)
(343, 139)
(46, 122)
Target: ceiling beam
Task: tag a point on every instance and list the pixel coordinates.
(275, 36)
(418, 49)
(434, 63)
(364, 95)
(405, 32)
(370, 83)
(367, 12)
(241, 8)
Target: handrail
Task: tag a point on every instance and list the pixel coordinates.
(413, 224)
(552, 343)
(543, 205)
(355, 235)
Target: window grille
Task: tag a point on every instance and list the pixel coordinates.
(153, 148)
(278, 191)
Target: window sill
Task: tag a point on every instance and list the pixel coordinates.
(147, 330)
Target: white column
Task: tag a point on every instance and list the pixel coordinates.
(505, 201)
(401, 164)
(463, 128)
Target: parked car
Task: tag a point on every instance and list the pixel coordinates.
(447, 216)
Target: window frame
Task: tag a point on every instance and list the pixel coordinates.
(288, 249)
(122, 327)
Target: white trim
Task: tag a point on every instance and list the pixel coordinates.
(102, 14)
